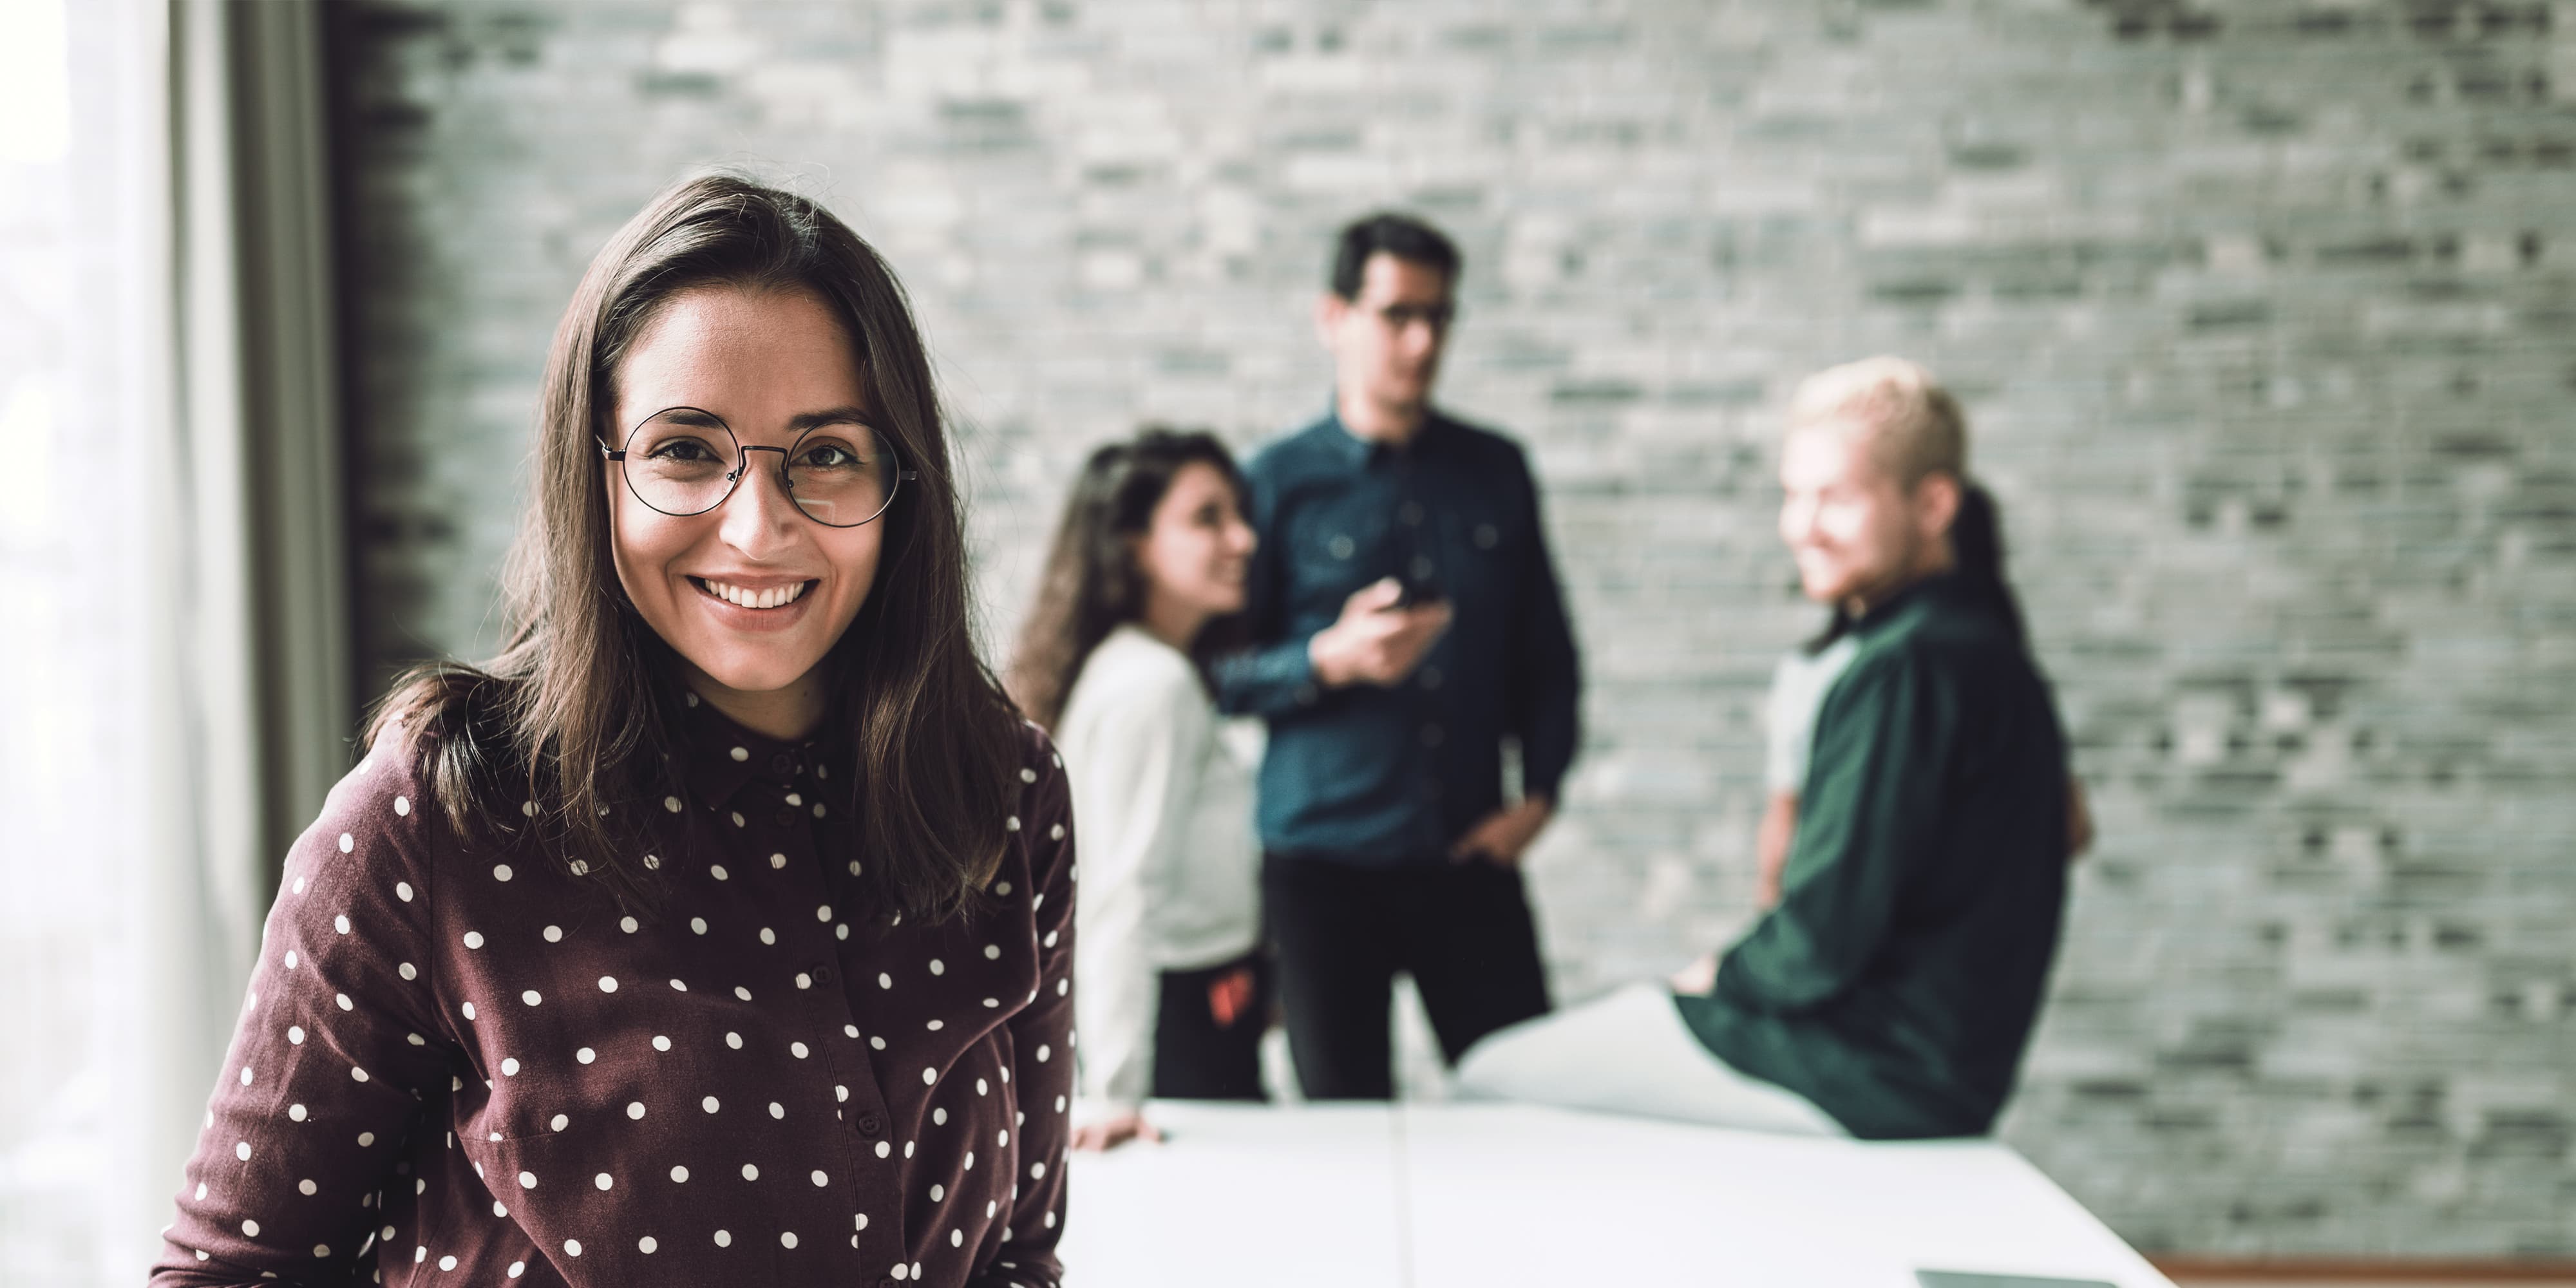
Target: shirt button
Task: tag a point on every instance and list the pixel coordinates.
(782, 763)
(1431, 677)
(822, 974)
(1411, 513)
(786, 816)
(1431, 735)
(1423, 568)
(871, 1125)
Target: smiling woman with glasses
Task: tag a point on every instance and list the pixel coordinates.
(720, 929)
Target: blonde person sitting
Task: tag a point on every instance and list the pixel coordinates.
(1891, 990)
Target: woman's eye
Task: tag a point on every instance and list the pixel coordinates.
(830, 456)
(681, 449)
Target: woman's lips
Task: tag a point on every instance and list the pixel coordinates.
(777, 617)
(749, 594)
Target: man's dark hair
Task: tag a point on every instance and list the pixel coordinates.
(1402, 236)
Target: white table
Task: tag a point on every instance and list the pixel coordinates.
(1430, 1196)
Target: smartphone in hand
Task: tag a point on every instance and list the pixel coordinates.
(1416, 592)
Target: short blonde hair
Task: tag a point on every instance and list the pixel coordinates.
(1911, 424)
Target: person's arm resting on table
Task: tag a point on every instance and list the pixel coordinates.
(1143, 755)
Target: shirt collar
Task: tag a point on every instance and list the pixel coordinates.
(719, 755)
(1354, 451)
(1937, 587)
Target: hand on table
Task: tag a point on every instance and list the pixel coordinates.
(1698, 978)
(1115, 1130)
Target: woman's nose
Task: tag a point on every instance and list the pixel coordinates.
(761, 510)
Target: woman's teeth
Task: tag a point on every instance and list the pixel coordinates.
(770, 598)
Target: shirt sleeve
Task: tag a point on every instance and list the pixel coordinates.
(1042, 1042)
(1273, 682)
(1872, 802)
(1137, 767)
(1784, 730)
(1545, 679)
(337, 1046)
(1274, 678)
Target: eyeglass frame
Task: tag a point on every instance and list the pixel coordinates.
(733, 479)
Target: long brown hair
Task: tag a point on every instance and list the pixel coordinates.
(565, 739)
(1092, 585)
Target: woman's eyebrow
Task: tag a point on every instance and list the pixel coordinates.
(803, 421)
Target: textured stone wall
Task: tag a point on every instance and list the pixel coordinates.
(2261, 309)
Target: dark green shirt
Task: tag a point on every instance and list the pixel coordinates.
(1896, 982)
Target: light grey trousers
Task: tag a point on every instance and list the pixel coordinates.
(1630, 1053)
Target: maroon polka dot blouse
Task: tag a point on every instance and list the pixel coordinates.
(462, 1068)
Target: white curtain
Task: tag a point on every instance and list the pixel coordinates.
(147, 745)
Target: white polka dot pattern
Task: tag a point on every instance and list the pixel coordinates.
(427, 1014)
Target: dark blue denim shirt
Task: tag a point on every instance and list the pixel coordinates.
(1388, 776)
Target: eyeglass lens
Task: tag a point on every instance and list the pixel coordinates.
(683, 462)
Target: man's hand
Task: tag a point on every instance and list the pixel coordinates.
(1505, 833)
(1115, 1130)
(1375, 642)
(1698, 978)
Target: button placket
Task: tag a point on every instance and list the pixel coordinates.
(844, 1061)
(819, 965)
(773, 814)
(865, 1114)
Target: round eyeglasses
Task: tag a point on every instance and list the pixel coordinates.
(682, 461)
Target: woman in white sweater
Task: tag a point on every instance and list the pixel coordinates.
(1145, 576)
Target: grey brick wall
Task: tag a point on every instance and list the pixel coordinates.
(2262, 311)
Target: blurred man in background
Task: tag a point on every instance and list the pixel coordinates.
(1407, 625)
